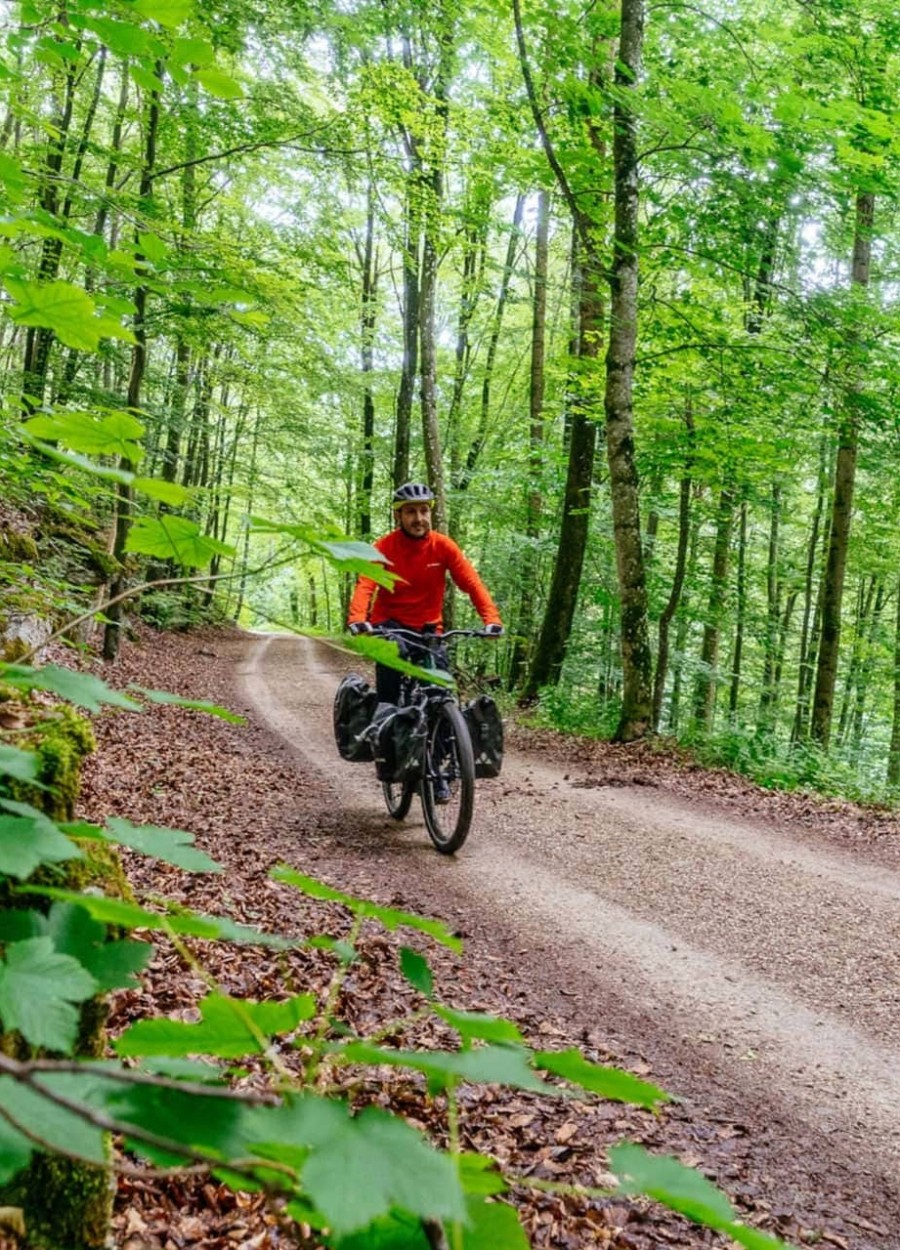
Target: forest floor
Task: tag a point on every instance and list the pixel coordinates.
(737, 947)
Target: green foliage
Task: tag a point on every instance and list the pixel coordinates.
(175, 538)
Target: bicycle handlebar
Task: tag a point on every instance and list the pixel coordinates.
(419, 637)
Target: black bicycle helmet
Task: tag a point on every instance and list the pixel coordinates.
(412, 492)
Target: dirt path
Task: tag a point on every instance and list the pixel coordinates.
(757, 971)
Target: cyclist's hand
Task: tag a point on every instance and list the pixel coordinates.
(493, 631)
(360, 627)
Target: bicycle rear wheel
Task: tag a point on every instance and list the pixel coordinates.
(398, 796)
(448, 787)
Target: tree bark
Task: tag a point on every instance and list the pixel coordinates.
(842, 498)
(684, 529)
(368, 311)
(738, 654)
(637, 701)
(534, 500)
(112, 633)
(893, 764)
(708, 678)
(551, 646)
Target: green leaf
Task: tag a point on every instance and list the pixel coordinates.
(392, 1232)
(106, 472)
(82, 689)
(12, 175)
(475, 1026)
(15, 1150)
(112, 435)
(348, 554)
(166, 492)
(195, 705)
(28, 840)
(667, 1180)
(381, 651)
(229, 1028)
(174, 538)
(123, 38)
(22, 765)
(113, 965)
(361, 1167)
(417, 972)
(60, 1129)
(152, 246)
(169, 13)
(388, 916)
(173, 846)
(191, 924)
(18, 924)
(493, 1224)
(219, 84)
(38, 987)
(490, 1065)
(192, 52)
(480, 1176)
(65, 309)
(600, 1079)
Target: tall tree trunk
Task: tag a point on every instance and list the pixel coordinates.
(864, 673)
(38, 339)
(738, 654)
(893, 764)
(550, 651)
(112, 633)
(708, 677)
(491, 358)
(367, 364)
(431, 434)
(684, 528)
(842, 498)
(800, 728)
(411, 305)
(637, 700)
(773, 616)
(534, 500)
(245, 554)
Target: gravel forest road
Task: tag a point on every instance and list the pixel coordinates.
(757, 971)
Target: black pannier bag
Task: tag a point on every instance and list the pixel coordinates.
(398, 735)
(486, 731)
(354, 708)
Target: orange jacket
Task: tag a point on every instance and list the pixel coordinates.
(418, 597)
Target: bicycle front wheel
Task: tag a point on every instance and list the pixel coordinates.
(448, 787)
(398, 796)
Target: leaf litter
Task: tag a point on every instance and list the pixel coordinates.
(251, 807)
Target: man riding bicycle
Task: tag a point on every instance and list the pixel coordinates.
(421, 558)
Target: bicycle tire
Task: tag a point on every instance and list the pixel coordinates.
(398, 797)
(449, 752)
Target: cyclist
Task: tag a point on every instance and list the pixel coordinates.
(422, 558)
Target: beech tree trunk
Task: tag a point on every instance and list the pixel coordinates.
(534, 501)
(842, 498)
(550, 650)
(112, 633)
(668, 612)
(708, 677)
(637, 702)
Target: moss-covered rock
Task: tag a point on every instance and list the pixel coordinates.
(18, 548)
(67, 1205)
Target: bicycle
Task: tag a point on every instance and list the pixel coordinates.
(446, 783)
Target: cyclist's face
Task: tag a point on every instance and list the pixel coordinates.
(415, 519)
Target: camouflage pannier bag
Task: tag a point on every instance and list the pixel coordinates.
(398, 736)
(354, 708)
(486, 731)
